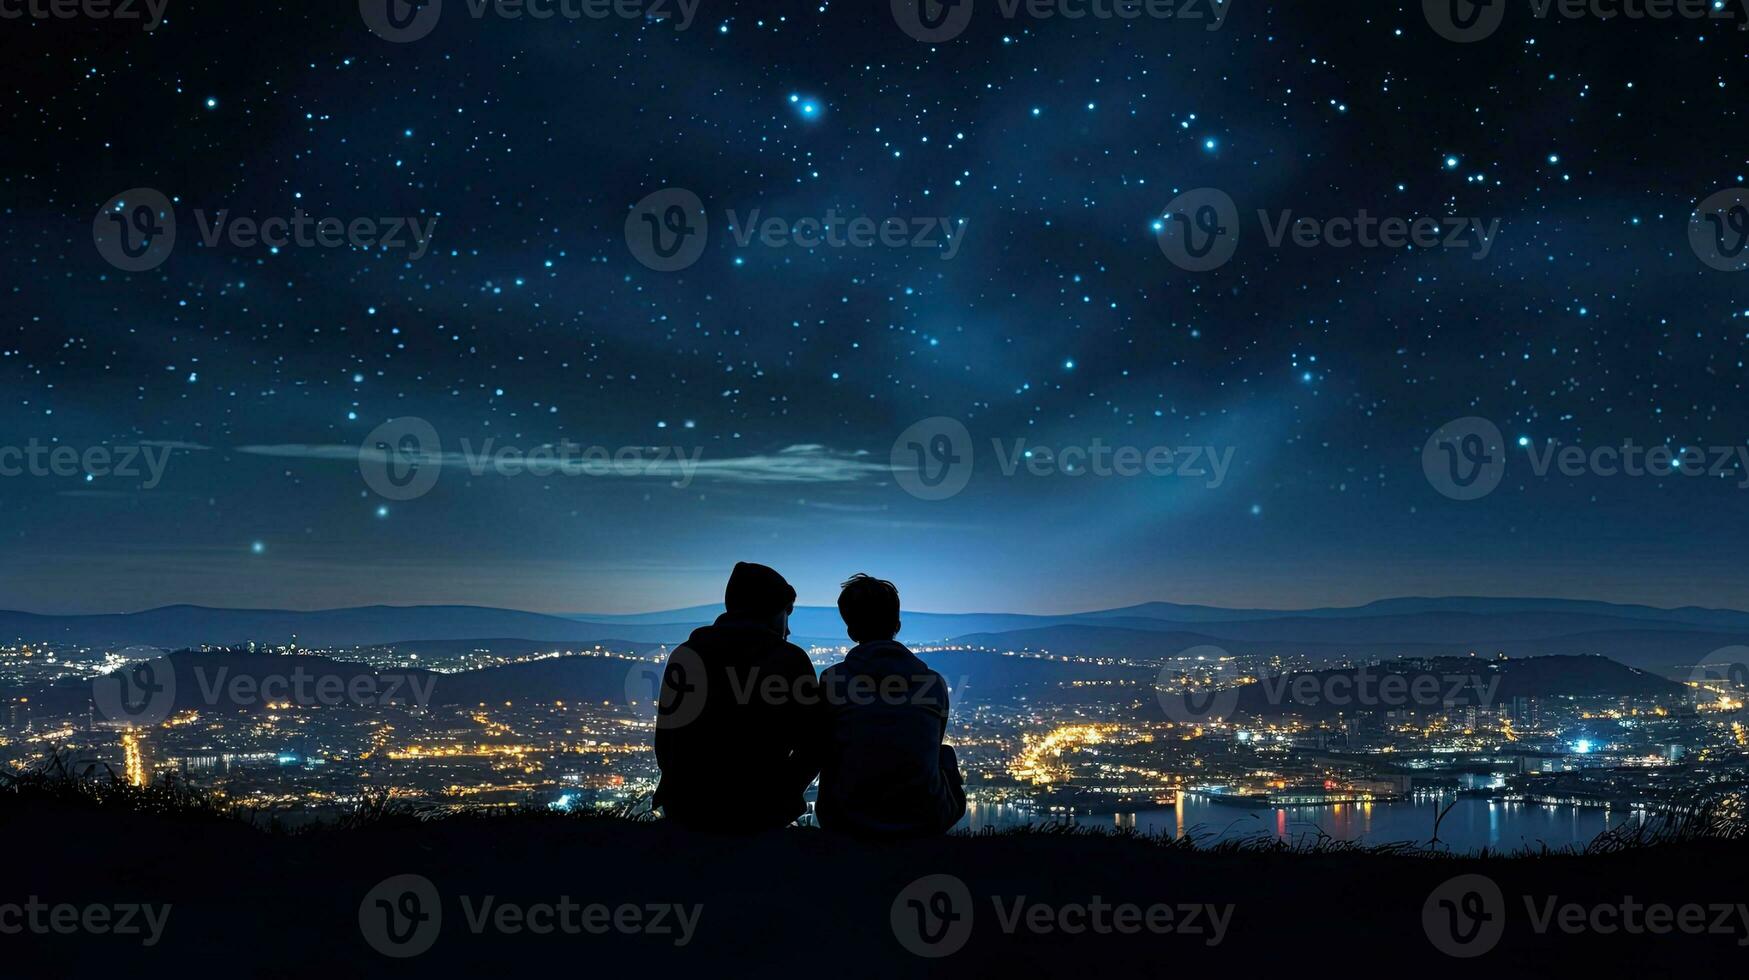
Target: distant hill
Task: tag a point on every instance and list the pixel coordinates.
(1662, 639)
(1669, 651)
(190, 626)
(1464, 681)
(210, 681)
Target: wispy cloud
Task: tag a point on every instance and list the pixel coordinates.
(799, 464)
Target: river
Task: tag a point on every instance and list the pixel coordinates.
(1472, 825)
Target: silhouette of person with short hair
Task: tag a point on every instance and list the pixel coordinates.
(737, 709)
(883, 770)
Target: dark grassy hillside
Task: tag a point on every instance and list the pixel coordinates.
(251, 902)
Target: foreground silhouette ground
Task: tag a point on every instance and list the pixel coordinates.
(257, 903)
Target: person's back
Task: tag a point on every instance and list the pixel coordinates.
(884, 771)
(731, 741)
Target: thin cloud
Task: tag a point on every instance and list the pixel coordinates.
(799, 464)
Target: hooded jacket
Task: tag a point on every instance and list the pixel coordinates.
(732, 736)
(884, 771)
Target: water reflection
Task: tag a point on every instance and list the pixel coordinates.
(1470, 825)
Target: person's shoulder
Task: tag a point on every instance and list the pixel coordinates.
(931, 681)
(922, 667)
(793, 656)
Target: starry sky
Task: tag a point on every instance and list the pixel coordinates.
(1055, 146)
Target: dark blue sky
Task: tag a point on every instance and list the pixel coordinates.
(1051, 146)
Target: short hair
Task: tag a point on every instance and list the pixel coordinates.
(870, 607)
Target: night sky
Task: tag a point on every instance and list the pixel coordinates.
(1058, 320)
